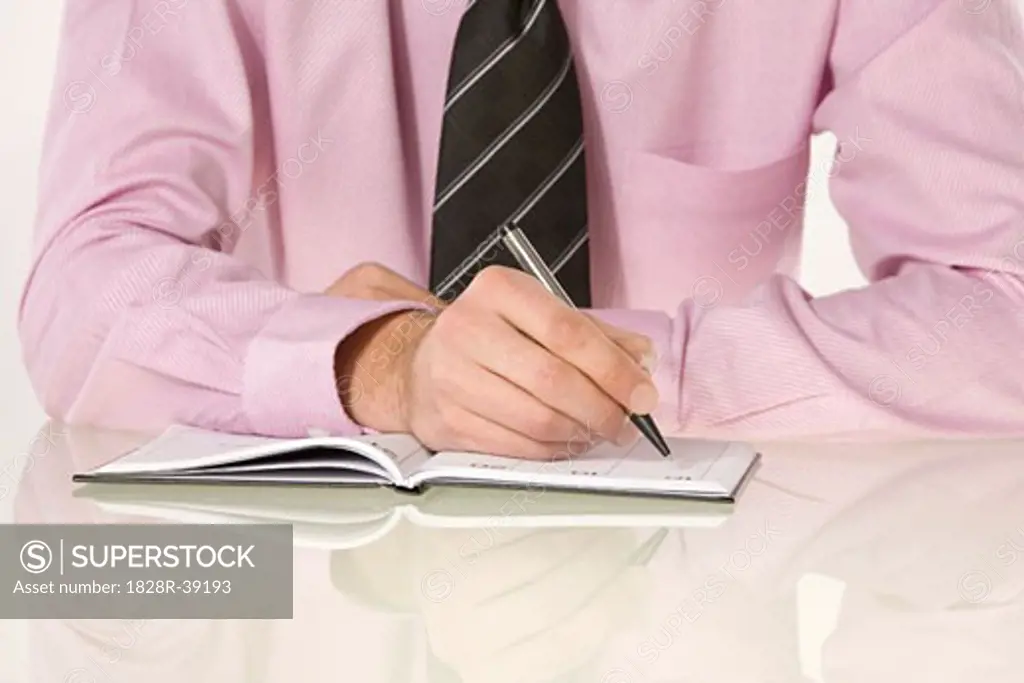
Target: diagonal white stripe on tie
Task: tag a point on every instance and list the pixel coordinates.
(495, 57)
(506, 135)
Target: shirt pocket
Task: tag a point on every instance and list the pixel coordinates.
(698, 222)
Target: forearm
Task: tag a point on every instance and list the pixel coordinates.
(164, 332)
(929, 352)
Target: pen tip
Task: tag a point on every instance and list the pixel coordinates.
(647, 427)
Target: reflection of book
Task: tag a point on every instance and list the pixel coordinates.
(712, 470)
(327, 518)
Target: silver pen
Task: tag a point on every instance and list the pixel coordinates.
(530, 261)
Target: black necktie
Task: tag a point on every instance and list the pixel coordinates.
(511, 148)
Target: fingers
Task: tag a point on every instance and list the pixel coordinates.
(479, 434)
(374, 281)
(570, 335)
(508, 368)
(490, 342)
(514, 408)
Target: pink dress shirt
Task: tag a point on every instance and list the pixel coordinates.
(210, 167)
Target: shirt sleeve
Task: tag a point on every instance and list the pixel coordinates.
(935, 205)
(135, 314)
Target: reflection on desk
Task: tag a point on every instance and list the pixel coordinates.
(844, 564)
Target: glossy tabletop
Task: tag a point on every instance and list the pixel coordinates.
(839, 563)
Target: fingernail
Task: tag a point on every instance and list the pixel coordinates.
(644, 399)
(648, 361)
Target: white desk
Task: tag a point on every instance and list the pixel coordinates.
(852, 563)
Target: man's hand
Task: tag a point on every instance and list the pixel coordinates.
(370, 363)
(380, 283)
(506, 368)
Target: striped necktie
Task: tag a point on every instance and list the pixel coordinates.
(511, 148)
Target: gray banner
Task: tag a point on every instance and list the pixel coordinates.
(161, 571)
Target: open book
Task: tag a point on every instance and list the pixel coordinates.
(696, 469)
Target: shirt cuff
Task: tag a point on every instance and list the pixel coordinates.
(668, 353)
(289, 386)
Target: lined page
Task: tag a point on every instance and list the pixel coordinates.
(406, 452)
(699, 466)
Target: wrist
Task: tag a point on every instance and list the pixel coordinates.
(371, 365)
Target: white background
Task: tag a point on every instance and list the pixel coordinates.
(28, 39)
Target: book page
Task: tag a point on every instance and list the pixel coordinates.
(408, 454)
(182, 450)
(694, 466)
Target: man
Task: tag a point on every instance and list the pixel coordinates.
(218, 175)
